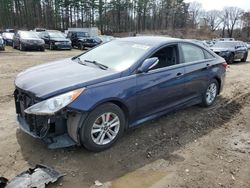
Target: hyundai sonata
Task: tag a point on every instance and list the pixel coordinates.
(91, 99)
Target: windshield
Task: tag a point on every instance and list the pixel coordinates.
(28, 34)
(82, 34)
(225, 44)
(118, 55)
(56, 35)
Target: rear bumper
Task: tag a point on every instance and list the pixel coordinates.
(54, 141)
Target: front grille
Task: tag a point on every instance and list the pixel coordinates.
(38, 125)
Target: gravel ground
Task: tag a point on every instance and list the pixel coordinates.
(209, 142)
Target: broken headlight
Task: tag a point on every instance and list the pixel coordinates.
(54, 104)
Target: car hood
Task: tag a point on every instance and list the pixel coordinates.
(54, 78)
(216, 49)
(32, 39)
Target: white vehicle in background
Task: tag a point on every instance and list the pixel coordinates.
(247, 44)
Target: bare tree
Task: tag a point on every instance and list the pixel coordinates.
(195, 11)
(231, 16)
(213, 19)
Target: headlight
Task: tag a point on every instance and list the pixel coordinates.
(54, 104)
(57, 43)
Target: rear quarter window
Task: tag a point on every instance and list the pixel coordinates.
(192, 53)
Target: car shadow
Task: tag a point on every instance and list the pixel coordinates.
(138, 147)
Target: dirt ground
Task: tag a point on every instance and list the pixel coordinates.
(201, 147)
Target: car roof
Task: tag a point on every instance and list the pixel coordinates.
(150, 40)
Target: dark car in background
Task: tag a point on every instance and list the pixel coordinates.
(27, 40)
(231, 50)
(82, 39)
(90, 42)
(2, 44)
(92, 98)
(8, 38)
(55, 40)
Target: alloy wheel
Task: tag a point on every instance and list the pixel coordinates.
(105, 128)
(211, 93)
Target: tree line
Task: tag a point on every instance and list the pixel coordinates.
(116, 16)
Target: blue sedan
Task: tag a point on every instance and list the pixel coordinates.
(91, 99)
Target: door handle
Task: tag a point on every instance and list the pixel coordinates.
(208, 65)
(179, 74)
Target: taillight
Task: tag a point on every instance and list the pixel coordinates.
(225, 65)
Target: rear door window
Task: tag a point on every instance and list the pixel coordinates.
(192, 53)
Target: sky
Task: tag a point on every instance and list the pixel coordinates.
(219, 4)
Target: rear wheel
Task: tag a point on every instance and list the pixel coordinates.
(103, 127)
(244, 59)
(209, 96)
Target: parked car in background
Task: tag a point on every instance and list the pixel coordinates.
(202, 43)
(39, 29)
(2, 44)
(55, 40)
(231, 50)
(81, 39)
(92, 98)
(105, 38)
(247, 44)
(8, 38)
(90, 42)
(27, 40)
(10, 30)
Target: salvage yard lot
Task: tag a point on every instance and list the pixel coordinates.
(201, 146)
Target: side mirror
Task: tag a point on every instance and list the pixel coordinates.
(236, 47)
(148, 64)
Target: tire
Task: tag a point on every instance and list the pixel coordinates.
(208, 98)
(81, 46)
(42, 49)
(13, 45)
(231, 58)
(51, 46)
(21, 48)
(244, 59)
(89, 139)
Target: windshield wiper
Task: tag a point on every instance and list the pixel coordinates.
(104, 67)
(80, 61)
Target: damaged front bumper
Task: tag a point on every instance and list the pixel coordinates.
(58, 131)
(53, 140)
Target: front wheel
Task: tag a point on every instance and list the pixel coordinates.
(81, 46)
(231, 58)
(210, 94)
(51, 46)
(103, 127)
(244, 59)
(21, 48)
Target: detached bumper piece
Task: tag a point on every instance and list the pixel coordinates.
(51, 129)
(39, 177)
